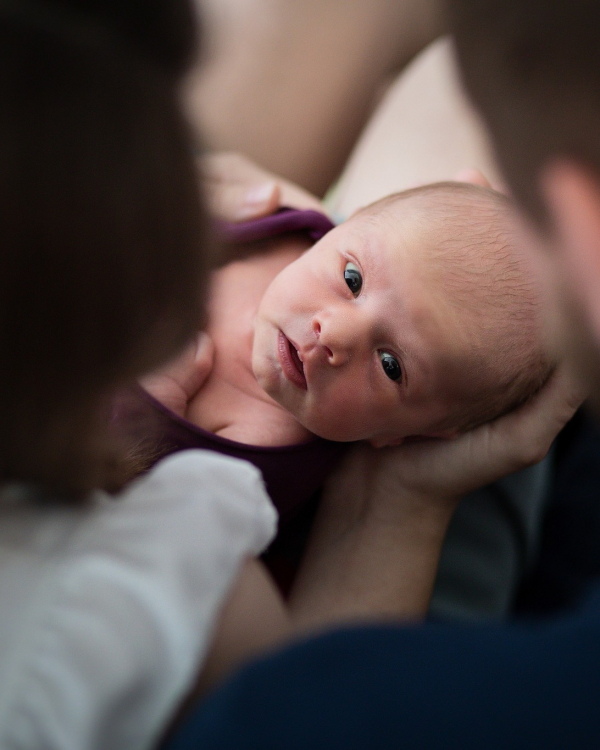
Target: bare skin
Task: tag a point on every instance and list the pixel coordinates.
(375, 547)
(231, 403)
(415, 138)
(384, 510)
(291, 84)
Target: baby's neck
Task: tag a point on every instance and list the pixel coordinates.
(231, 403)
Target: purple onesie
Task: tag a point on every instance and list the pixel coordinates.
(292, 473)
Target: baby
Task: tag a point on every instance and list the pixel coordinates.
(416, 317)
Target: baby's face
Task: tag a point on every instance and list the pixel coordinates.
(353, 342)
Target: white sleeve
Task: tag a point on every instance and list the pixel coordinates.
(122, 608)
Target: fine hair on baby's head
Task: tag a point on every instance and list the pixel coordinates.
(467, 240)
(101, 227)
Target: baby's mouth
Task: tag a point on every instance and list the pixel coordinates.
(297, 358)
(291, 362)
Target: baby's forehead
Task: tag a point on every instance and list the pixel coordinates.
(443, 200)
(388, 218)
(398, 225)
(455, 221)
(406, 221)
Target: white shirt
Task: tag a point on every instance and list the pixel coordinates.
(106, 612)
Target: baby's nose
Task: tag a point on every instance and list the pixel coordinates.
(336, 337)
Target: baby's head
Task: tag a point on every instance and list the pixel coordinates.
(417, 316)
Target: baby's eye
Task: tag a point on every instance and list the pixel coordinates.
(353, 278)
(390, 365)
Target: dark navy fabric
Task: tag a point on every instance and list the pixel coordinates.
(568, 563)
(530, 684)
(470, 687)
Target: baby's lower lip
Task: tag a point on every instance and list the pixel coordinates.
(290, 364)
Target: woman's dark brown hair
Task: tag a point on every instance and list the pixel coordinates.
(102, 240)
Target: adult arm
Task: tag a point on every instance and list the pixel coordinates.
(239, 189)
(291, 84)
(384, 516)
(424, 130)
(378, 536)
(108, 607)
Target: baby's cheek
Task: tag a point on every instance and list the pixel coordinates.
(341, 418)
(263, 367)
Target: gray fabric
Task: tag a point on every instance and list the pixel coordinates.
(492, 541)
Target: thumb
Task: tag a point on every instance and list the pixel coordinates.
(178, 381)
(235, 201)
(196, 375)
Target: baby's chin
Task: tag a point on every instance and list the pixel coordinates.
(336, 433)
(316, 425)
(341, 435)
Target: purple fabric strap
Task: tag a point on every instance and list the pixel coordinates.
(292, 473)
(284, 221)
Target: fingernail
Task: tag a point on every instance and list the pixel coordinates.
(260, 194)
(465, 175)
(201, 344)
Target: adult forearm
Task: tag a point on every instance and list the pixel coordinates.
(386, 512)
(360, 567)
(291, 84)
(378, 536)
(374, 550)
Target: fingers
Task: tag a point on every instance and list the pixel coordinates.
(515, 440)
(230, 166)
(180, 380)
(474, 176)
(527, 433)
(233, 201)
(237, 202)
(238, 190)
(194, 377)
(295, 197)
(446, 469)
